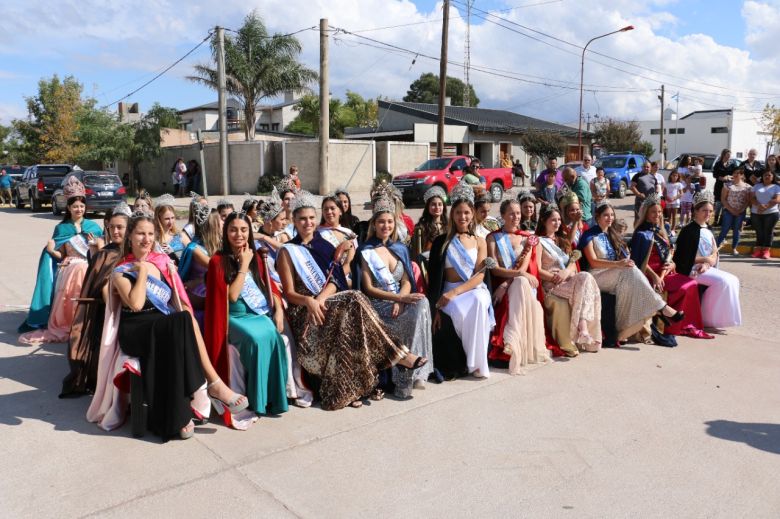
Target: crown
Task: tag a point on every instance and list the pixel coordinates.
(435, 191)
(525, 195)
(651, 199)
(123, 209)
(224, 202)
(303, 199)
(383, 205)
(141, 213)
(270, 208)
(201, 214)
(462, 191)
(341, 191)
(703, 197)
(286, 183)
(569, 197)
(166, 199)
(194, 197)
(387, 190)
(602, 202)
(73, 187)
(481, 195)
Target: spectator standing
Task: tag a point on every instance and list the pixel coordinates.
(735, 200)
(686, 201)
(193, 176)
(518, 172)
(599, 188)
(179, 177)
(580, 187)
(294, 176)
(643, 185)
(548, 193)
(659, 178)
(753, 169)
(722, 171)
(552, 170)
(764, 213)
(587, 170)
(533, 165)
(5, 188)
(673, 192)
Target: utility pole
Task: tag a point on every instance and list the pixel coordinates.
(442, 79)
(202, 164)
(661, 136)
(676, 97)
(324, 108)
(223, 135)
(467, 55)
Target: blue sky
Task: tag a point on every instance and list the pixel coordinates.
(113, 49)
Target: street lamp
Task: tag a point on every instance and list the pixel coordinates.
(582, 77)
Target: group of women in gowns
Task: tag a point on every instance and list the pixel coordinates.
(287, 313)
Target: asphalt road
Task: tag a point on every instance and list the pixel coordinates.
(643, 431)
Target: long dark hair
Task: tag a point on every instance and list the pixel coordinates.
(131, 225)
(685, 161)
(452, 229)
(72, 200)
(615, 238)
(229, 263)
(335, 200)
(346, 216)
(426, 221)
(561, 240)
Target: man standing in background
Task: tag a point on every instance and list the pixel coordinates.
(5, 189)
(587, 170)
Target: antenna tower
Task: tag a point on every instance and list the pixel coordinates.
(467, 54)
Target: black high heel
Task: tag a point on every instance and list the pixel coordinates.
(677, 317)
(418, 363)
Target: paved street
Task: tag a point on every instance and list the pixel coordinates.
(643, 431)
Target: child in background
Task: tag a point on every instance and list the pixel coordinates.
(549, 193)
(686, 201)
(673, 192)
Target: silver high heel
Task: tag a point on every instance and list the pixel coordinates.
(235, 406)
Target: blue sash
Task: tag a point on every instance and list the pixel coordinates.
(176, 244)
(505, 250)
(79, 244)
(603, 240)
(307, 269)
(157, 292)
(460, 259)
(253, 296)
(560, 257)
(380, 271)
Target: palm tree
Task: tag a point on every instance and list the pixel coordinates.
(257, 66)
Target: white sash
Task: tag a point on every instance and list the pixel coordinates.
(308, 270)
(79, 244)
(460, 260)
(505, 250)
(253, 296)
(380, 271)
(560, 257)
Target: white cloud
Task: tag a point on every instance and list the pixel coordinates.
(146, 35)
(9, 112)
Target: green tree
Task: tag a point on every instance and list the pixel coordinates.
(356, 111)
(257, 66)
(644, 148)
(617, 135)
(103, 138)
(9, 145)
(425, 89)
(770, 119)
(49, 132)
(148, 134)
(543, 144)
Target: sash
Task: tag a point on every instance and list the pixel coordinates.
(330, 237)
(157, 292)
(505, 250)
(307, 269)
(176, 244)
(560, 257)
(460, 260)
(270, 265)
(79, 244)
(253, 296)
(603, 239)
(380, 271)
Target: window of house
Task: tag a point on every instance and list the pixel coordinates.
(677, 131)
(264, 126)
(275, 127)
(719, 129)
(739, 155)
(655, 131)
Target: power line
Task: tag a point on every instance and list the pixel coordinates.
(166, 69)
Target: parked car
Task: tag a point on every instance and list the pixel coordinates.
(103, 189)
(619, 169)
(445, 172)
(38, 183)
(709, 161)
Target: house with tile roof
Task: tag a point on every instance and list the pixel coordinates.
(481, 132)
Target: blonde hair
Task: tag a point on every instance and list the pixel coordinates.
(371, 226)
(453, 228)
(210, 234)
(159, 211)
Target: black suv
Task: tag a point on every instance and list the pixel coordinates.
(38, 184)
(103, 191)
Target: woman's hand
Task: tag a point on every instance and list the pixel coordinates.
(141, 267)
(656, 281)
(316, 310)
(436, 322)
(445, 299)
(532, 280)
(246, 257)
(625, 263)
(410, 299)
(279, 320)
(342, 251)
(398, 309)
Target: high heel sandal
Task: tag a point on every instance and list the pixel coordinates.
(676, 318)
(418, 363)
(235, 406)
(187, 431)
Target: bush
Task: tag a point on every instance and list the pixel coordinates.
(267, 182)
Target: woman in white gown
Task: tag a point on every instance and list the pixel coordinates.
(457, 289)
(697, 255)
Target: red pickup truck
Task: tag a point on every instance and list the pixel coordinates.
(445, 172)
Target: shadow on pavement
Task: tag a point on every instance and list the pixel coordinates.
(762, 436)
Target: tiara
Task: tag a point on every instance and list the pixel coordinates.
(123, 209)
(166, 199)
(286, 183)
(194, 197)
(73, 187)
(704, 197)
(602, 202)
(224, 202)
(141, 213)
(383, 205)
(387, 190)
(201, 215)
(270, 208)
(569, 197)
(341, 191)
(435, 191)
(525, 195)
(651, 199)
(462, 191)
(303, 199)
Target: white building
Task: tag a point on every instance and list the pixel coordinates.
(270, 118)
(708, 131)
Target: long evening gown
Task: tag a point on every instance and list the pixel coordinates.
(720, 305)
